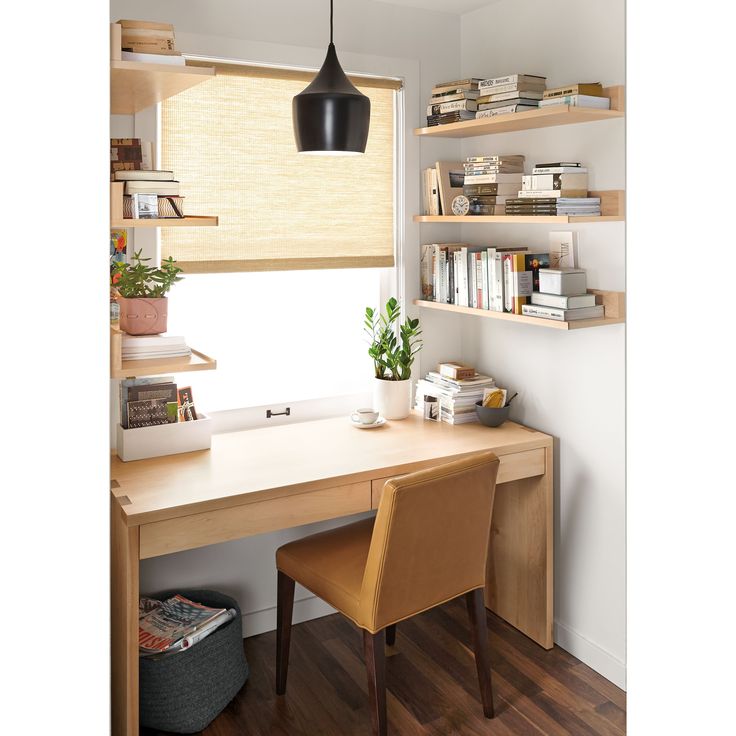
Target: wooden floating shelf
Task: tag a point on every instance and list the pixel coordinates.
(612, 210)
(135, 86)
(189, 221)
(117, 220)
(120, 368)
(544, 117)
(613, 302)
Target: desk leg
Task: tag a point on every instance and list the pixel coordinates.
(124, 546)
(519, 582)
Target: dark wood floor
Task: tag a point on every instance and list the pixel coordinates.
(432, 685)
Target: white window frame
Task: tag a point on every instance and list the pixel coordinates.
(147, 126)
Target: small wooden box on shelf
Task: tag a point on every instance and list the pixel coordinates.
(135, 86)
(120, 368)
(614, 304)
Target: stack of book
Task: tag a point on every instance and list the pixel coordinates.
(456, 397)
(490, 180)
(512, 93)
(159, 186)
(559, 188)
(582, 94)
(149, 42)
(146, 402)
(452, 102)
(470, 276)
(147, 347)
(562, 296)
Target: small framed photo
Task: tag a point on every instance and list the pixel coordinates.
(145, 206)
(431, 408)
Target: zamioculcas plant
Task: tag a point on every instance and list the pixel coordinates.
(392, 345)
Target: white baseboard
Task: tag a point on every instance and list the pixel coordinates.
(305, 609)
(603, 662)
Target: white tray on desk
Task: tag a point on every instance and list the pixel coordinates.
(164, 439)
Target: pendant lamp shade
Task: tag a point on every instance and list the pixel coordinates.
(331, 116)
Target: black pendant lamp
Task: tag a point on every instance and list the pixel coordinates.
(330, 116)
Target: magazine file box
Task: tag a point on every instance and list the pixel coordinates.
(164, 439)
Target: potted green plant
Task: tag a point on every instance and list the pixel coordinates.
(393, 346)
(142, 293)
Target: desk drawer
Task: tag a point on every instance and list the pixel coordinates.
(515, 466)
(222, 525)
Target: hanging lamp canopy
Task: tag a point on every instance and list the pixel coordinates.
(331, 117)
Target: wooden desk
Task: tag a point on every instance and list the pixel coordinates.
(261, 480)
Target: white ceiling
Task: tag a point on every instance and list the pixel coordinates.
(456, 7)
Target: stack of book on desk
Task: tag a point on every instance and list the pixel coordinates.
(452, 102)
(582, 94)
(145, 347)
(512, 93)
(456, 397)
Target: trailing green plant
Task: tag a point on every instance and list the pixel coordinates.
(392, 345)
(137, 279)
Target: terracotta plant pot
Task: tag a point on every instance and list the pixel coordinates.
(392, 399)
(143, 316)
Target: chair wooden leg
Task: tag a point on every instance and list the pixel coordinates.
(477, 613)
(391, 635)
(284, 610)
(375, 662)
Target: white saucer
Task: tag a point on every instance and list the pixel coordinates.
(378, 423)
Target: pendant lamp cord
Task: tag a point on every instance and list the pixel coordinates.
(331, 10)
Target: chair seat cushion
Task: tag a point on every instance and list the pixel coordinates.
(330, 564)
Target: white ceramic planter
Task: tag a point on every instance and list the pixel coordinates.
(392, 399)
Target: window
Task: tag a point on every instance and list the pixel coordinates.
(231, 144)
(276, 293)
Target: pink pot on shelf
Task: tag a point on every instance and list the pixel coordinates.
(143, 315)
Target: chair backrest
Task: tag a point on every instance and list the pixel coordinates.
(430, 539)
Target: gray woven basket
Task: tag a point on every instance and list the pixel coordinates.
(185, 691)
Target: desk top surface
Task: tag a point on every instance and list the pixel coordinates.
(256, 464)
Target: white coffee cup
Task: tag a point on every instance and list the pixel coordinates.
(364, 416)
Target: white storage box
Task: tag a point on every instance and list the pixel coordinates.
(165, 439)
(562, 281)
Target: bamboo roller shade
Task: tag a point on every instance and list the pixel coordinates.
(230, 143)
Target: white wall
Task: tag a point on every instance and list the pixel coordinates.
(373, 37)
(570, 385)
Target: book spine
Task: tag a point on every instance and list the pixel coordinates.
(508, 282)
(450, 277)
(531, 310)
(425, 273)
(464, 277)
(484, 272)
(443, 107)
(523, 281)
(478, 280)
(435, 274)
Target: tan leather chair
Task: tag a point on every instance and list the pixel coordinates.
(427, 545)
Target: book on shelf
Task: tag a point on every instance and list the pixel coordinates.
(153, 25)
(153, 175)
(139, 347)
(554, 181)
(143, 57)
(168, 627)
(471, 179)
(454, 94)
(521, 277)
(526, 101)
(557, 165)
(496, 283)
(489, 93)
(517, 158)
(563, 315)
(481, 190)
(430, 192)
(602, 103)
(449, 117)
(505, 110)
(456, 105)
(152, 187)
(562, 301)
(553, 194)
(581, 88)
(471, 83)
(513, 95)
(490, 83)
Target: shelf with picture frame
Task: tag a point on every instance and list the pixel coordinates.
(118, 221)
